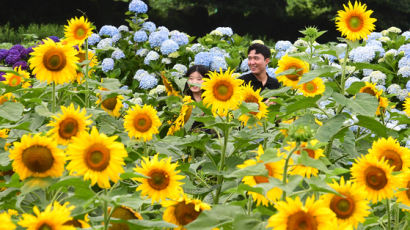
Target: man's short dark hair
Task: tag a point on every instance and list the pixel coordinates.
(260, 49)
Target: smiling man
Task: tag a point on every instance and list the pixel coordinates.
(258, 59)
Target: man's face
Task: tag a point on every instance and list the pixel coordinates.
(257, 62)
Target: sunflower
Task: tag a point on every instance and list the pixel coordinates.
(404, 196)
(22, 78)
(163, 182)
(93, 62)
(312, 88)
(287, 63)
(251, 96)
(398, 157)
(275, 169)
(53, 218)
(97, 157)
(7, 97)
(355, 22)
(168, 86)
(184, 115)
(370, 88)
(383, 103)
(351, 208)
(4, 133)
(293, 215)
(222, 92)
(406, 106)
(71, 123)
(78, 30)
(142, 123)
(6, 223)
(37, 156)
(183, 211)
(374, 177)
(286, 124)
(313, 150)
(54, 62)
(111, 105)
(79, 223)
(123, 213)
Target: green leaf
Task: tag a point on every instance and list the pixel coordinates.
(35, 183)
(304, 159)
(253, 170)
(42, 110)
(131, 175)
(340, 99)
(4, 159)
(319, 185)
(323, 71)
(370, 123)
(217, 216)
(11, 111)
(150, 224)
(363, 104)
(305, 102)
(360, 65)
(355, 87)
(275, 92)
(246, 222)
(82, 188)
(330, 128)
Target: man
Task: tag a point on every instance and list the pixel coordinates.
(258, 59)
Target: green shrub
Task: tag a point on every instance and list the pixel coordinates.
(30, 33)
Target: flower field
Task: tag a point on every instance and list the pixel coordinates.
(96, 131)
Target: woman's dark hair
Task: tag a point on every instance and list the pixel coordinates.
(260, 49)
(201, 69)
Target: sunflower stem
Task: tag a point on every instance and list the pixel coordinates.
(220, 178)
(249, 204)
(105, 207)
(388, 214)
(87, 93)
(342, 81)
(285, 168)
(53, 97)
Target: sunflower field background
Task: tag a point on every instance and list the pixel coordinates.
(95, 132)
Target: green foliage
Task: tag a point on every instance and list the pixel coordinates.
(30, 33)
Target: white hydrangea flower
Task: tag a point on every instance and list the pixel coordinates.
(136, 101)
(378, 77)
(384, 39)
(394, 30)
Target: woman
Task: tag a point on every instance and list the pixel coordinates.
(195, 75)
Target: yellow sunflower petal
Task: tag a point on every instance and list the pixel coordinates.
(77, 30)
(287, 63)
(142, 123)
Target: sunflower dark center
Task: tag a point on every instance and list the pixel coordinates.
(142, 122)
(408, 190)
(394, 159)
(375, 177)
(38, 158)
(294, 77)
(123, 214)
(54, 60)
(159, 179)
(310, 152)
(252, 99)
(97, 157)
(355, 23)
(370, 91)
(310, 87)
(185, 213)
(81, 56)
(68, 128)
(223, 91)
(45, 227)
(301, 221)
(188, 113)
(74, 223)
(80, 33)
(15, 80)
(342, 207)
(110, 103)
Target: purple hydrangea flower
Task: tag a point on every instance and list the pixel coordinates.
(26, 52)
(19, 48)
(21, 64)
(3, 53)
(12, 57)
(1, 76)
(54, 38)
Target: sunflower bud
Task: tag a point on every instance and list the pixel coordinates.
(300, 133)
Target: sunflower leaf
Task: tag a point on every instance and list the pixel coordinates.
(324, 71)
(330, 128)
(363, 104)
(11, 111)
(370, 123)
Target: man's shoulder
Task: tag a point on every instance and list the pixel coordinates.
(248, 76)
(272, 83)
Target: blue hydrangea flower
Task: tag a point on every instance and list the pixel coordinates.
(168, 46)
(151, 56)
(149, 26)
(406, 34)
(350, 81)
(405, 48)
(280, 54)
(94, 39)
(142, 52)
(227, 31)
(216, 51)
(180, 38)
(381, 87)
(180, 70)
(393, 89)
(408, 85)
(139, 73)
(140, 36)
(203, 58)
(376, 49)
(163, 28)
(374, 36)
(283, 45)
(138, 7)
(402, 95)
(197, 47)
(117, 54)
(404, 61)
(116, 38)
(404, 71)
(362, 54)
(157, 38)
(374, 43)
(378, 77)
(123, 28)
(244, 65)
(271, 72)
(107, 64)
(148, 81)
(108, 30)
(218, 62)
(105, 43)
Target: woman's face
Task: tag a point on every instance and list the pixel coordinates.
(195, 78)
